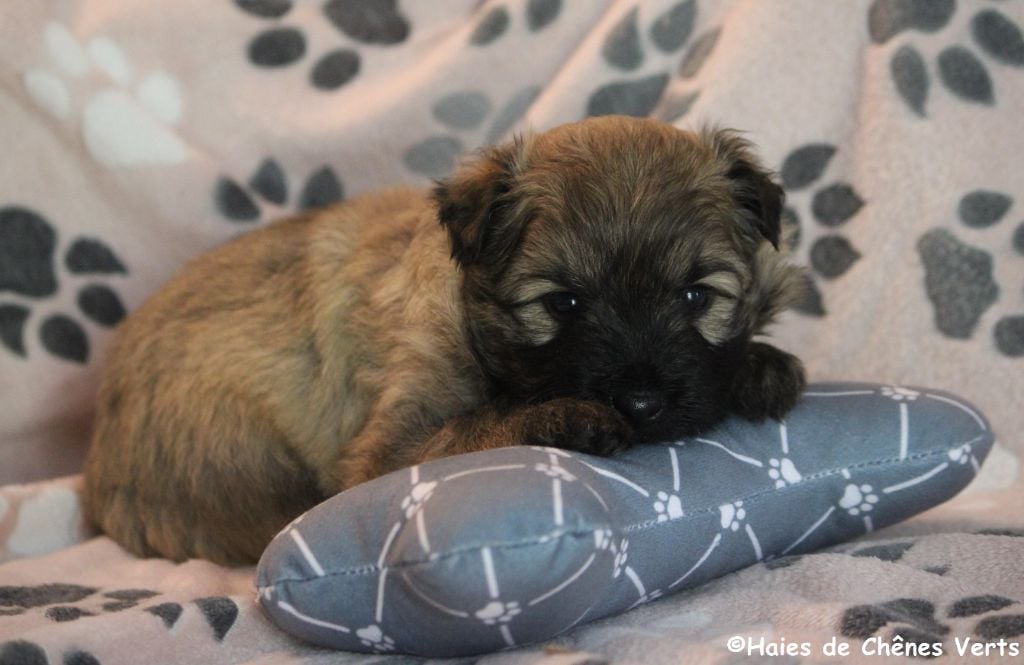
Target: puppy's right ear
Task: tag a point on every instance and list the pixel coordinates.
(756, 192)
(474, 204)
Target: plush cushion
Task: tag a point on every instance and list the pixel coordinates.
(484, 551)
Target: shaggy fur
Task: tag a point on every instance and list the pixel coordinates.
(587, 288)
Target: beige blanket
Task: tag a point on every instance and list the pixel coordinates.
(137, 134)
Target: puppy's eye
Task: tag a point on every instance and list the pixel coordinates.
(562, 305)
(696, 298)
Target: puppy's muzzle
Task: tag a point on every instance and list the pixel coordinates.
(640, 407)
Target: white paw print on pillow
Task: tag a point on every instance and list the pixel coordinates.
(783, 472)
(125, 124)
(858, 499)
(900, 394)
(498, 612)
(417, 497)
(621, 557)
(731, 515)
(554, 471)
(551, 451)
(603, 539)
(668, 506)
(961, 454)
(372, 636)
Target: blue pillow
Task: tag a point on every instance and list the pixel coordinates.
(480, 552)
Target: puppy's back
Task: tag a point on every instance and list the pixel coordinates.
(224, 392)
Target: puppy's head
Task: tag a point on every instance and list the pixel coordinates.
(618, 260)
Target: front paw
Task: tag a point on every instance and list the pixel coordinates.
(587, 427)
(768, 383)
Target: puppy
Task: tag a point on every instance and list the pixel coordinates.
(586, 288)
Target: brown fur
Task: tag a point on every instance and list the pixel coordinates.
(323, 351)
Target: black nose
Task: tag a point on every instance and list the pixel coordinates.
(640, 407)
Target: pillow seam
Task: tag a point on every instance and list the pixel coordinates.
(468, 549)
(633, 528)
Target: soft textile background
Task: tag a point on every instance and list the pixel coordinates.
(136, 134)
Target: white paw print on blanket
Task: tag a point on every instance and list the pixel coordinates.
(372, 636)
(417, 497)
(668, 506)
(498, 612)
(858, 499)
(731, 515)
(783, 472)
(603, 539)
(125, 124)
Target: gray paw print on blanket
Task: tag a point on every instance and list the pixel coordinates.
(58, 599)
(914, 620)
(625, 49)
(28, 275)
(464, 113)
(62, 603)
(919, 621)
(495, 23)
(368, 23)
(959, 277)
(961, 71)
(832, 206)
(467, 116)
(268, 182)
(886, 551)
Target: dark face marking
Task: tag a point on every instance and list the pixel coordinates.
(607, 229)
(633, 338)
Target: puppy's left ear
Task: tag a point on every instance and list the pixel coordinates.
(756, 192)
(474, 204)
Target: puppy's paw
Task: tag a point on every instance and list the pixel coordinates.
(587, 427)
(768, 383)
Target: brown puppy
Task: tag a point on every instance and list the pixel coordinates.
(589, 287)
